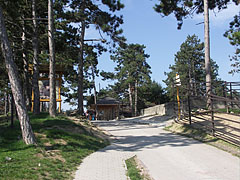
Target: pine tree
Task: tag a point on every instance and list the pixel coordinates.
(16, 87)
(52, 74)
(132, 71)
(88, 12)
(35, 43)
(189, 64)
(233, 34)
(183, 9)
(150, 94)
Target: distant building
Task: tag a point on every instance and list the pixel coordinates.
(108, 108)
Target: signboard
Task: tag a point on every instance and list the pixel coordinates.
(177, 80)
(44, 89)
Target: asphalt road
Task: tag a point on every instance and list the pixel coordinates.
(167, 156)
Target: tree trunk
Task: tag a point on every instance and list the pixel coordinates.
(52, 74)
(190, 77)
(6, 105)
(12, 110)
(36, 103)
(207, 53)
(136, 97)
(95, 92)
(80, 70)
(130, 98)
(26, 88)
(27, 133)
(195, 81)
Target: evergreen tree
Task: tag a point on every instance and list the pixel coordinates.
(185, 8)
(52, 61)
(16, 87)
(189, 64)
(132, 71)
(233, 34)
(151, 94)
(86, 13)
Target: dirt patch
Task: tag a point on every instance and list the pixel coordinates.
(40, 135)
(60, 141)
(55, 155)
(93, 130)
(51, 154)
(69, 129)
(39, 155)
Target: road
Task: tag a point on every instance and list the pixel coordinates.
(166, 156)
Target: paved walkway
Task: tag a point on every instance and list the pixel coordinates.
(166, 156)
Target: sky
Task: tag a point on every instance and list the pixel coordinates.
(162, 39)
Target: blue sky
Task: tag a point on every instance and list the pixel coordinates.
(162, 39)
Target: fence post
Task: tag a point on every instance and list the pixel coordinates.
(226, 92)
(212, 117)
(231, 96)
(189, 109)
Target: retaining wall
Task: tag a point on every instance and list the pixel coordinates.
(162, 109)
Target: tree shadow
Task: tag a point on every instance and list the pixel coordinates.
(132, 143)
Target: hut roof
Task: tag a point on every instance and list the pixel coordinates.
(108, 101)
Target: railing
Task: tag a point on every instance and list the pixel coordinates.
(221, 118)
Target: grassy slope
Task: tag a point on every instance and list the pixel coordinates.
(62, 145)
(200, 135)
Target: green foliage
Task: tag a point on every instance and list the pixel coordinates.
(78, 18)
(189, 64)
(132, 171)
(68, 16)
(186, 8)
(233, 34)
(62, 145)
(151, 94)
(231, 110)
(131, 67)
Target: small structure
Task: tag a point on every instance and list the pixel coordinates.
(44, 84)
(108, 108)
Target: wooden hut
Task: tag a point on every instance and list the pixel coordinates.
(108, 108)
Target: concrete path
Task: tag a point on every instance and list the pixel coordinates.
(166, 156)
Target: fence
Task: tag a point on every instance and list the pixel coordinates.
(222, 116)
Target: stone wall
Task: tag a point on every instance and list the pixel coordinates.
(162, 109)
(168, 108)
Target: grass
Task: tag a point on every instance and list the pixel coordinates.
(62, 145)
(235, 111)
(200, 135)
(132, 171)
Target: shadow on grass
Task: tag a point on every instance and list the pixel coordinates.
(54, 128)
(62, 145)
(74, 141)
